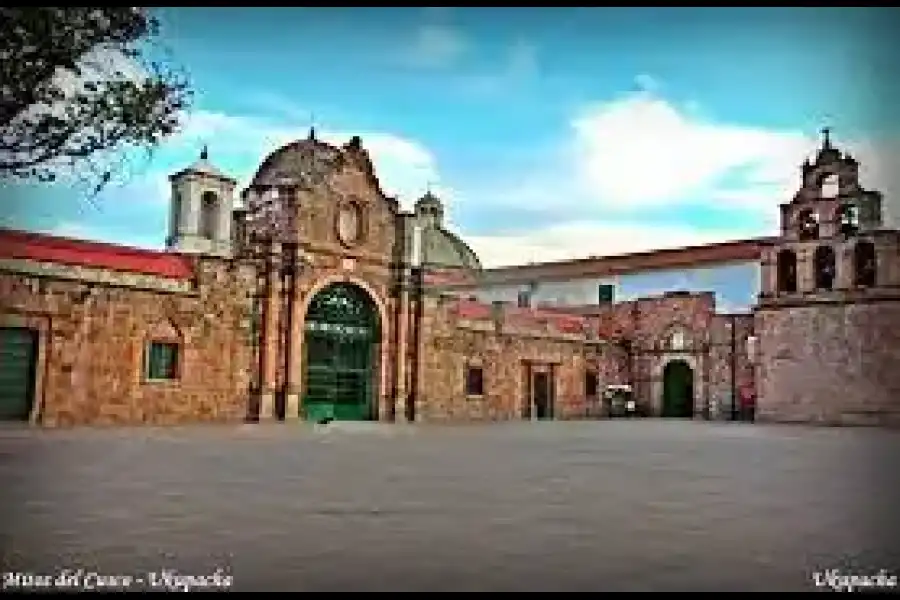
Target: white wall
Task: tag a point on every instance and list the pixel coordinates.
(736, 286)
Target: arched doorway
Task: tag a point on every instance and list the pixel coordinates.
(341, 337)
(678, 390)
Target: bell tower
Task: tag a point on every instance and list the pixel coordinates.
(200, 215)
(829, 308)
(829, 232)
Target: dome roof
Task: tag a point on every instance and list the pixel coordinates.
(444, 250)
(305, 162)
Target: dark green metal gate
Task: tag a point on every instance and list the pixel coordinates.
(341, 343)
(678, 390)
(18, 357)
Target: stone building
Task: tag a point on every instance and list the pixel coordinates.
(319, 297)
(828, 318)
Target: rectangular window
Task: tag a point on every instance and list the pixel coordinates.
(524, 299)
(474, 381)
(606, 293)
(590, 384)
(162, 361)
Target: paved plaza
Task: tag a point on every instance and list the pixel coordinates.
(555, 506)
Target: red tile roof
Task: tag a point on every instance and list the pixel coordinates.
(49, 248)
(522, 317)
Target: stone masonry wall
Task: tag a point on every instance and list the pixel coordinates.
(92, 341)
(647, 326)
(505, 349)
(730, 369)
(830, 364)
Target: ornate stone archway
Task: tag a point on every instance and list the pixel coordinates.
(380, 364)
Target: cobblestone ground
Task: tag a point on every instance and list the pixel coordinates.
(633, 506)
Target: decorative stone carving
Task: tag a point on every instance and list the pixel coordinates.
(350, 227)
(676, 341)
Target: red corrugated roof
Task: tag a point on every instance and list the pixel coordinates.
(49, 248)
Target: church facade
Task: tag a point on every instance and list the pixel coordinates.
(319, 298)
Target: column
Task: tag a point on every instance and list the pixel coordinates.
(423, 305)
(768, 274)
(402, 334)
(222, 242)
(269, 341)
(189, 224)
(294, 375)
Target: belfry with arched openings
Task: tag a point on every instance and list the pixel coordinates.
(828, 319)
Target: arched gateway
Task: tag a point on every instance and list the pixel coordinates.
(678, 390)
(342, 333)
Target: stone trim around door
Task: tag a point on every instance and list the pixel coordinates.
(697, 364)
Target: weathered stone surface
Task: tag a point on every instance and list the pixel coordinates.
(831, 364)
(93, 339)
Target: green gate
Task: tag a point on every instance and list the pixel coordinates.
(340, 346)
(18, 357)
(678, 390)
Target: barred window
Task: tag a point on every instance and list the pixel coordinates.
(162, 361)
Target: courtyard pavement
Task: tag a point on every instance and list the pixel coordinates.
(579, 506)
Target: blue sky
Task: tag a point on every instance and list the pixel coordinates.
(550, 133)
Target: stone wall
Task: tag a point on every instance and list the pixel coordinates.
(830, 363)
(93, 336)
(730, 367)
(648, 328)
(508, 344)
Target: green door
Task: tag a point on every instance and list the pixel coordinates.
(678, 390)
(18, 356)
(340, 345)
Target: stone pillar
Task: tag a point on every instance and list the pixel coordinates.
(402, 334)
(294, 375)
(269, 341)
(768, 274)
(189, 223)
(422, 326)
(222, 241)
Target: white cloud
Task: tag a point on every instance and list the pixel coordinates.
(74, 229)
(104, 63)
(622, 158)
(642, 151)
(405, 168)
(642, 154)
(239, 143)
(132, 237)
(435, 46)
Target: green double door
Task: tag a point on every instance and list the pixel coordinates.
(18, 358)
(340, 348)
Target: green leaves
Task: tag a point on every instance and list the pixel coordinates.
(78, 82)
